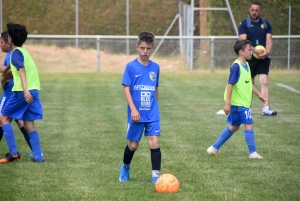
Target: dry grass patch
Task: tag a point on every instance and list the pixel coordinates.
(55, 59)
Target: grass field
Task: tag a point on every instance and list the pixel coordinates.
(83, 138)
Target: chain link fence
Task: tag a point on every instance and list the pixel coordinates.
(97, 53)
(126, 18)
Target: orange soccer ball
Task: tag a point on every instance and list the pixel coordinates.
(167, 183)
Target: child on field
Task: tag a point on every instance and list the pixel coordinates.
(141, 81)
(8, 84)
(238, 96)
(25, 103)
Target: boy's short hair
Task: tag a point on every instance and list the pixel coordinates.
(146, 36)
(4, 36)
(240, 45)
(17, 33)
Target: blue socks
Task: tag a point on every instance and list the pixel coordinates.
(36, 146)
(10, 138)
(249, 138)
(224, 136)
(227, 133)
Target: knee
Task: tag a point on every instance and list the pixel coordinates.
(132, 145)
(4, 120)
(249, 127)
(153, 142)
(263, 81)
(234, 128)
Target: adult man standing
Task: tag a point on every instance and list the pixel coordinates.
(259, 32)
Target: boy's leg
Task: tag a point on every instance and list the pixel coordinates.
(128, 153)
(250, 140)
(155, 158)
(134, 134)
(23, 130)
(152, 130)
(224, 136)
(36, 146)
(11, 143)
(233, 120)
(34, 141)
(127, 158)
(156, 164)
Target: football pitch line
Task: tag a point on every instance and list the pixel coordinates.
(287, 87)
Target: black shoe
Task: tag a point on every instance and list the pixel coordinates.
(10, 158)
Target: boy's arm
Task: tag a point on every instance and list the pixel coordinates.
(256, 92)
(4, 69)
(6, 77)
(156, 93)
(135, 115)
(27, 94)
(228, 99)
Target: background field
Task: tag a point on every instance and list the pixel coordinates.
(83, 138)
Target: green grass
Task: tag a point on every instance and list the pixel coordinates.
(83, 139)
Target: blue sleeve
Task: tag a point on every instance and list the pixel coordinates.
(234, 75)
(243, 27)
(7, 59)
(17, 59)
(127, 76)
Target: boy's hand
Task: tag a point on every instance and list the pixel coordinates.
(28, 96)
(227, 109)
(262, 98)
(135, 115)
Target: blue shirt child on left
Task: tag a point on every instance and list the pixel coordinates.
(9, 85)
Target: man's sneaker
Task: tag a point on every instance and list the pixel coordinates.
(266, 111)
(255, 155)
(213, 151)
(154, 179)
(10, 158)
(124, 173)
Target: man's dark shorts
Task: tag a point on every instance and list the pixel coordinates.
(259, 66)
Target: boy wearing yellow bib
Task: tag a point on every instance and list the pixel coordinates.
(24, 103)
(238, 97)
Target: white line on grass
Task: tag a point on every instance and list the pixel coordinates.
(287, 87)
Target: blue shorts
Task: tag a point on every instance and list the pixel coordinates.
(239, 115)
(5, 96)
(17, 107)
(135, 130)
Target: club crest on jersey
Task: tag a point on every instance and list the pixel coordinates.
(152, 76)
(262, 26)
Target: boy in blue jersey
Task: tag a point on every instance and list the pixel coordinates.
(141, 81)
(24, 103)
(259, 32)
(238, 97)
(8, 83)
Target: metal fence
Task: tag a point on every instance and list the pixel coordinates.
(218, 53)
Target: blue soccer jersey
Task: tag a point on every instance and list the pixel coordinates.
(143, 81)
(9, 85)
